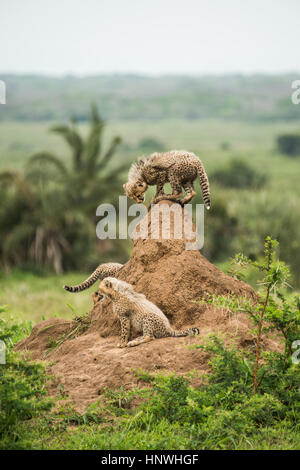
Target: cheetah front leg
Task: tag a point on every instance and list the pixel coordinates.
(159, 192)
(125, 331)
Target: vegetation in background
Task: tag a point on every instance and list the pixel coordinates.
(87, 180)
(47, 215)
(289, 144)
(239, 220)
(36, 296)
(238, 174)
(221, 230)
(262, 213)
(150, 144)
(140, 97)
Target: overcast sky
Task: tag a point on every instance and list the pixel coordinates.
(149, 36)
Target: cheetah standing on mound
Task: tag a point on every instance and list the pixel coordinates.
(134, 310)
(177, 167)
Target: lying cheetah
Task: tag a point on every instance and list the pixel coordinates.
(103, 270)
(178, 167)
(134, 310)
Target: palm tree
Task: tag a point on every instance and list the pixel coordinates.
(46, 214)
(40, 230)
(87, 181)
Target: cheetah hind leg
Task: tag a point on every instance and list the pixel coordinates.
(140, 340)
(189, 192)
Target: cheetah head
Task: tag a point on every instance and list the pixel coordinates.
(106, 289)
(136, 190)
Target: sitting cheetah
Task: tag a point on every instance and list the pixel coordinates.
(134, 310)
(103, 270)
(178, 167)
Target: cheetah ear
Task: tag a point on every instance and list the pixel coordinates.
(124, 185)
(108, 284)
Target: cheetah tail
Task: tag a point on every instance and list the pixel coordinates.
(100, 272)
(204, 183)
(188, 332)
(85, 284)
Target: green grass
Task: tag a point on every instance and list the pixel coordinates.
(36, 297)
(39, 436)
(170, 414)
(20, 139)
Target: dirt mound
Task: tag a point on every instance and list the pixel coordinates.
(169, 275)
(172, 277)
(43, 335)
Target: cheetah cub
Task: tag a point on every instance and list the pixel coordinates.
(177, 167)
(134, 310)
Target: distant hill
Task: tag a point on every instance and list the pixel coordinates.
(256, 97)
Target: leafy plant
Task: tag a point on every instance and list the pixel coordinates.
(274, 311)
(47, 215)
(22, 385)
(79, 326)
(87, 178)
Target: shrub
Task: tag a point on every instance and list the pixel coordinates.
(47, 214)
(261, 214)
(223, 413)
(274, 311)
(289, 144)
(221, 230)
(238, 174)
(22, 385)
